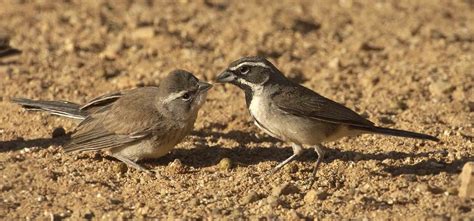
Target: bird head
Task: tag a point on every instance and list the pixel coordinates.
(182, 93)
(250, 73)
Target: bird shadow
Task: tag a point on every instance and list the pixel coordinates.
(428, 167)
(205, 155)
(21, 143)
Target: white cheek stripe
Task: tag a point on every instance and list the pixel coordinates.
(249, 63)
(173, 96)
(254, 87)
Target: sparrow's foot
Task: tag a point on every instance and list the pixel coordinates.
(297, 150)
(320, 152)
(272, 171)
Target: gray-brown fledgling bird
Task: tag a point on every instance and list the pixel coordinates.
(294, 113)
(142, 123)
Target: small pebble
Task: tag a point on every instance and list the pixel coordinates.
(112, 50)
(193, 202)
(58, 132)
(311, 196)
(143, 211)
(468, 132)
(4, 187)
(435, 190)
(293, 215)
(409, 177)
(459, 94)
(284, 189)
(386, 120)
(40, 199)
(225, 164)
(273, 201)
(422, 187)
(120, 168)
(440, 88)
(87, 214)
(143, 33)
(291, 168)
(250, 197)
(334, 63)
(452, 191)
(470, 104)
(371, 46)
(176, 167)
(467, 181)
(322, 195)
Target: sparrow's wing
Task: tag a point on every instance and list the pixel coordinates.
(130, 119)
(303, 102)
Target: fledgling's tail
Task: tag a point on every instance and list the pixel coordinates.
(60, 108)
(401, 133)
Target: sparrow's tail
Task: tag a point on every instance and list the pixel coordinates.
(60, 108)
(401, 133)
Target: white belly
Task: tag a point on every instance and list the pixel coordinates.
(261, 111)
(153, 148)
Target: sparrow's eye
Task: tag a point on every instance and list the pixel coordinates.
(186, 96)
(244, 70)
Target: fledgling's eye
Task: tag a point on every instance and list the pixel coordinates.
(186, 96)
(244, 70)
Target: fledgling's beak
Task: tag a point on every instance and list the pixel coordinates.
(204, 86)
(226, 76)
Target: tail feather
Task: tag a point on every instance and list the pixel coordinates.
(401, 133)
(60, 108)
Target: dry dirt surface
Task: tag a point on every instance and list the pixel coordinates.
(402, 64)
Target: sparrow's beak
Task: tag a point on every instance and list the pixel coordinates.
(204, 86)
(225, 77)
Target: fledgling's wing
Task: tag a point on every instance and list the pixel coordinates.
(102, 102)
(303, 102)
(131, 118)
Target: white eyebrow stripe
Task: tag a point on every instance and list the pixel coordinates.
(173, 96)
(249, 63)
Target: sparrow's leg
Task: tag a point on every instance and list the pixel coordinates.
(297, 150)
(130, 163)
(320, 152)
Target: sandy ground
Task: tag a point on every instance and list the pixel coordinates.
(403, 64)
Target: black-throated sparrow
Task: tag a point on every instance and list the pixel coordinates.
(142, 123)
(294, 113)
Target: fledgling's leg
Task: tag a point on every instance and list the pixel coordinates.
(297, 150)
(130, 163)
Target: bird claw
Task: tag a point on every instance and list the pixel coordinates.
(149, 172)
(273, 171)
